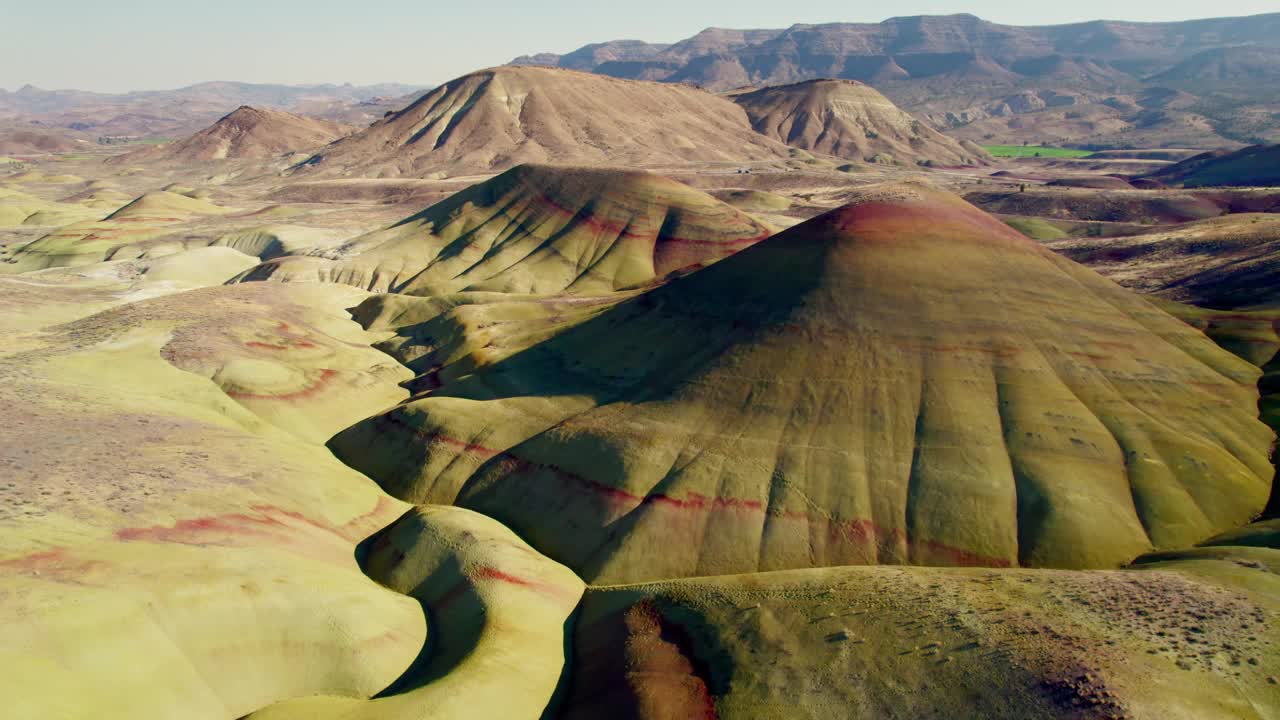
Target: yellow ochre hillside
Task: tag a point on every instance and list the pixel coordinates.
(538, 229)
(902, 380)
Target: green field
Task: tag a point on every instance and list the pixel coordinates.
(1017, 151)
(1036, 228)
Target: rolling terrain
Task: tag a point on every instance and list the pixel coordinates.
(554, 395)
(1223, 263)
(174, 525)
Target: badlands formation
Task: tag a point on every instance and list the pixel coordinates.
(558, 395)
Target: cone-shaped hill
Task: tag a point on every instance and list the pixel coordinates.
(502, 117)
(539, 229)
(902, 380)
(246, 133)
(851, 120)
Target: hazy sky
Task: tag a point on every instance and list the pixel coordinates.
(152, 44)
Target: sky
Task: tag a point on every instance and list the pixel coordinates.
(159, 44)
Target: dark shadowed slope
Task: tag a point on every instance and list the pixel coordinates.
(1256, 166)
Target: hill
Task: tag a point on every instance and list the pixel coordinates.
(851, 120)
(245, 133)
(893, 382)
(495, 119)
(1255, 166)
(538, 229)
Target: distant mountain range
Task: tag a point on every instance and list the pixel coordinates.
(1102, 83)
(184, 110)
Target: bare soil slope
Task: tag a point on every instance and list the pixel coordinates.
(495, 119)
(247, 133)
(851, 120)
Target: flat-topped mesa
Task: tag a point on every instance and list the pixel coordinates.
(498, 118)
(540, 229)
(902, 380)
(848, 119)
